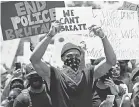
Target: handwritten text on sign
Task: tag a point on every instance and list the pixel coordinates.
(121, 28)
(74, 19)
(27, 18)
(130, 6)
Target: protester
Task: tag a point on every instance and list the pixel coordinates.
(14, 81)
(116, 71)
(70, 86)
(107, 85)
(3, 75)
(135, 96)
(8, 102)
(35, 95)
(124, 73)
(124, 66)
(131, 100)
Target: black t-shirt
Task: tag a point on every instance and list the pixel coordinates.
(65, 93)
(37, 100)
(99, 95)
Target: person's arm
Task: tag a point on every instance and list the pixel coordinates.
(6, 90)
(41, 67)
(116, 90)
(110, 61)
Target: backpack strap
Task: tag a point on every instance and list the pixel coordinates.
(26, 93)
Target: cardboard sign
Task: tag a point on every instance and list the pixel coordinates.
(122, 30)
(27, 18)
(9, 49)
(130, 6)
(27, 52)
(74, 19)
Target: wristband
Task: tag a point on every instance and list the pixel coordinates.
(103, 37)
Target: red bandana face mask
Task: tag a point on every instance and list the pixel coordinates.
(73, 63)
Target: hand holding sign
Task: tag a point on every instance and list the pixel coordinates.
(97, 31)
(55, 28)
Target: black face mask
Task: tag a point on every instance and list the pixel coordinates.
(73, 63)
(36, 82)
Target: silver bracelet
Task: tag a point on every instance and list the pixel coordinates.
(103, 37)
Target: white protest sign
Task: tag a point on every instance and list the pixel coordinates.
(121, 28)
(74, 19)
(9, 49)
(130, 6)
(27, 52)
(20, 59)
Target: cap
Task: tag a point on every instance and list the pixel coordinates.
(69, 46)
(17, 79)
(31, 73)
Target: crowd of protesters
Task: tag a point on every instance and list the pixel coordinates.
(77, 84)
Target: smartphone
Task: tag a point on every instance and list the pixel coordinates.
(110, 98)
(17, 65)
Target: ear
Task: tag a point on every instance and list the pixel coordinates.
(63, 58)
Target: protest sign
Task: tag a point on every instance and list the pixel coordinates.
(130, 6)
(121, 29)
(74, 19)
(27, 18)
(9, 49)
(20, 59)
(27, 52)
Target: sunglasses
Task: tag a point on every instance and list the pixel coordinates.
(11, 98)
